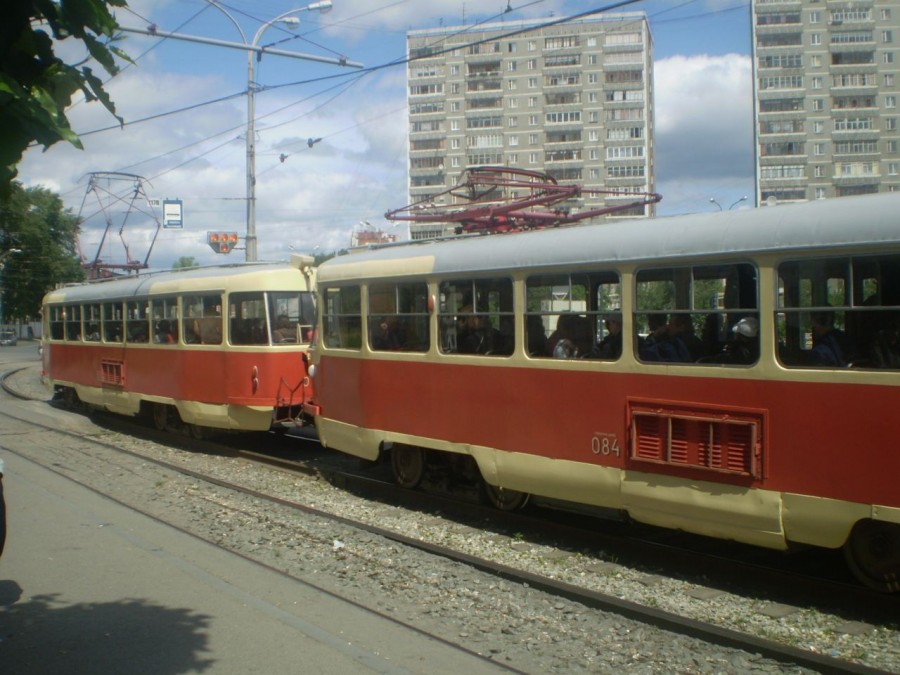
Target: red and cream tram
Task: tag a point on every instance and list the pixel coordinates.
(735, 375)
(217, 347)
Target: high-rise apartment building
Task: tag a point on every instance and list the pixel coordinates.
(573, 99)
(826, 114)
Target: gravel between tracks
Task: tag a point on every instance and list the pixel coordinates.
(516, 625)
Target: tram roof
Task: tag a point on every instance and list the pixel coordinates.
(195, 280)
(870, 221)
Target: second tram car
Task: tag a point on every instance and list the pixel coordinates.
(734, 375)
(214, 348)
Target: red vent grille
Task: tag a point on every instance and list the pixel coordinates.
(112, 372)
(709, 439)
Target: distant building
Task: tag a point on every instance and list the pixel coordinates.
(573, 99)
(373, 236)
(826, 98)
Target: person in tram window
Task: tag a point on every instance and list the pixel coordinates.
(165, 334)
(744, 346)
(831, 346)
(384, 337)
(284, 332)
(535, 335)
(477, 335)
(561, 344)
(668, 343)
(610, 347)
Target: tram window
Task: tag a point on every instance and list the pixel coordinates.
(839, 312)
(202, 321)
(398, 317)
(573, 315)
(292, 315)
(342, 317)
(112, 322)
(73, 322)
(476, 317)
(164, 316)
(247, 319)
(57, 322)
(92, 323)
(704, 314)
(137, 324)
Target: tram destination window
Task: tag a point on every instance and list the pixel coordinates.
(112, 321)
(476, 317)
(841, 312)
(342, 317)
(73, 323)
(56, 323)
(137, 324)
(398, 317)
(202, 321)
(292, 316)
(574, 316)
(706, 314)
(165, 320)
(92, 321)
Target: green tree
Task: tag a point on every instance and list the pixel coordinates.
(36, 86)
(35, 221)
(185, 262)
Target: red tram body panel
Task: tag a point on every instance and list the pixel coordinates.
(104, 343)
(750, 393)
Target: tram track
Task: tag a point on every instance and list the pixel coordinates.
(704, 631)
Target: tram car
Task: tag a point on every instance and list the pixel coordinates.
(211, 348)
(729, 374)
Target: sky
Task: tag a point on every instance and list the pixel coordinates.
(184, 108)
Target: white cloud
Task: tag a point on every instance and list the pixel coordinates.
(704, 130)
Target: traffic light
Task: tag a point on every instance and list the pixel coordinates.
(222, 242)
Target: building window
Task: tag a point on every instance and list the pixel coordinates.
(890, 123)
(890, 101)
(815, 17)
(819, 171)
(887, 36)
(815, 39)
(532, 158)
(820, 193)
(818, 149)
(818, 127)
(532, 120)
(818, 104)
(532, 83)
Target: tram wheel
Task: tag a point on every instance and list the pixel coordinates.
(505, 500)
(873, 554)
(408, 463)
(70, 398)
(198, 432)
(160, 416)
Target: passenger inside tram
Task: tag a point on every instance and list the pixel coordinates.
(831, 346)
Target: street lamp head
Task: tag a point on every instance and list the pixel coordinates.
(322, 6)
(290, 21)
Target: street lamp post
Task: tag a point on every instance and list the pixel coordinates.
(742, 199)
(254, 53)
(253, 56)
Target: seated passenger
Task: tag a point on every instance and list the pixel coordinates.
(384, 336)
(744, 347)
(476, 335)
(885, 349)
(561, 343)
(283, 332)
(831, 347)
(610, 347)
(535, 335)
(669, 343)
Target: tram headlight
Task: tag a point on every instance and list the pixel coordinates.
(312, 371)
